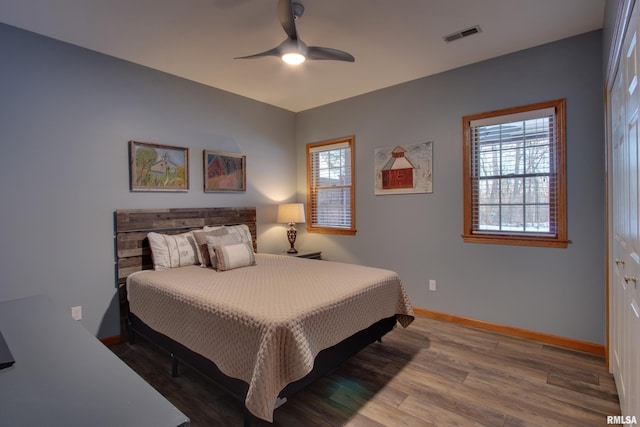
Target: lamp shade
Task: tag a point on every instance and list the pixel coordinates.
(291, 212)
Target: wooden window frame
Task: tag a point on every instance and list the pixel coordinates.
(558, 238)
(312, 191)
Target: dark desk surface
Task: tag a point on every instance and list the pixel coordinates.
(64, 376)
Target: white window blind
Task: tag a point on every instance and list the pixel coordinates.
(514, 173)
(331, 184)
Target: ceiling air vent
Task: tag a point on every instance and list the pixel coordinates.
(463, 33)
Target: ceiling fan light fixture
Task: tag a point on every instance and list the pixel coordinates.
(293, 58)
(293, 50)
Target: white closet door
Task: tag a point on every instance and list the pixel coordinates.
(625, 263)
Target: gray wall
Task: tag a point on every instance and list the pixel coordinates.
(66, 115)
(555, 291)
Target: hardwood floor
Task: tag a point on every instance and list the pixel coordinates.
(433, 373)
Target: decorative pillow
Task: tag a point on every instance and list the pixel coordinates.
(241, 230)
(234, 256)
(172, 250)
(200, 237)
(224, 239)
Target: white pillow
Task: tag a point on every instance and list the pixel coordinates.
(241, 230)
(234, 256)
(225, 239)
(172, 250)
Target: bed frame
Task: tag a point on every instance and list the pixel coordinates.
(133, 254)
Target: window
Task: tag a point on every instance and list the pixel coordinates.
(514, 176)
(330, 187)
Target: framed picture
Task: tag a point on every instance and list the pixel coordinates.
(155, 167)
(224, 171)
(404, 169)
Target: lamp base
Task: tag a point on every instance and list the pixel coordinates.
(291, 236)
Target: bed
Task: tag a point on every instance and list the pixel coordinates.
(263, 328)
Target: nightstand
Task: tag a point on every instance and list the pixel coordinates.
(306, 254)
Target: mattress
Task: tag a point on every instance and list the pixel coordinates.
(264, 324)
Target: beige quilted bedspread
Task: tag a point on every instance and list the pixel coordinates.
(265, 324)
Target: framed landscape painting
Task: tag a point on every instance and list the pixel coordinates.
(224, 171)
(155, 167)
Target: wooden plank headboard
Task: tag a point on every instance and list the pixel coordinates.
(132, 225)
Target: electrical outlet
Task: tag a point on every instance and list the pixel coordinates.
(76, 312)
(432, 285)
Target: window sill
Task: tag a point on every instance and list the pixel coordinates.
(328, 230)
(547, 242)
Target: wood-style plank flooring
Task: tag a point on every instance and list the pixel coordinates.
(433, 373)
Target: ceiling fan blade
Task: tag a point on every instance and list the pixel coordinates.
(271, 52)
(287, 18)
(326, 53)
(288, 45)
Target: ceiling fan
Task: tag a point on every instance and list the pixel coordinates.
(293, 50)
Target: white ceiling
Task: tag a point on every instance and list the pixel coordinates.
(393, 41)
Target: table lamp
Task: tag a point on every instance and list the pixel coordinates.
(291, 213)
